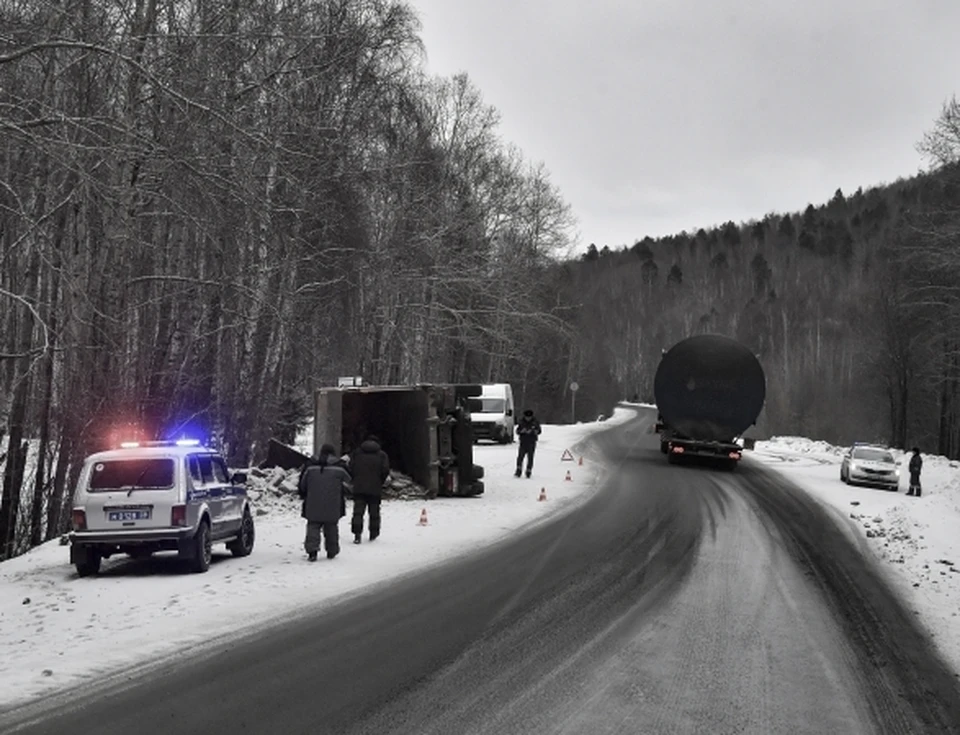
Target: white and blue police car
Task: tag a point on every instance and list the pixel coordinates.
(158, 496)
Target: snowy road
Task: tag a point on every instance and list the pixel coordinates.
(676, 600)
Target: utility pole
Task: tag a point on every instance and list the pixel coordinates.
(573, 402)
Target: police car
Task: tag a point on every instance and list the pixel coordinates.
(158, 496)
(870, 464)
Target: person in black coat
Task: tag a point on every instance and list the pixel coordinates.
(323, 485)
(370, 468)
(528, 429)
(916, 464)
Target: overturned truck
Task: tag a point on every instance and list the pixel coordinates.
(424, 429)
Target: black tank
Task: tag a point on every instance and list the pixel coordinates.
(709, 387)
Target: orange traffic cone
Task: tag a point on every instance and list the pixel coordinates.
(568, 478)
(543, 494)
(423, 517)
(581, 462)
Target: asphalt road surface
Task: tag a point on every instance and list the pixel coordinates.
(677, 600)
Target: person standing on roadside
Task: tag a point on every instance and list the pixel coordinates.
(323, 485)
(916, 465)
(528, 429)
(370, 467)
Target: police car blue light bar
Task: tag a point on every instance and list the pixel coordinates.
(188, 442)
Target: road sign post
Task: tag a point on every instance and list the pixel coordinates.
(573, 401)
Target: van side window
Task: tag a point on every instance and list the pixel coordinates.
(194, 466)
(220, 471)
(206, 469)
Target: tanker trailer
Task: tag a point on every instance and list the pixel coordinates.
(709, 389)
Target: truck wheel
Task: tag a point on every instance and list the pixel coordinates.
(202, 549)
(89, 564)
(477, 472)
(242, 545)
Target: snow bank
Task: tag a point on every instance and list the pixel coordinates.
(916, 539)
(57, 630)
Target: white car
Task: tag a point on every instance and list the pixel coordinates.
(868, 464)
(158, 496)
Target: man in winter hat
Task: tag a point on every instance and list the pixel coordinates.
(323, 485)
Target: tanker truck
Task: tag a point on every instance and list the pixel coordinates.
(709, 389)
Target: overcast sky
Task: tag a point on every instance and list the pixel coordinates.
(656, 116)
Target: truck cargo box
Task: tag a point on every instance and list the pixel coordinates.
(424, 429)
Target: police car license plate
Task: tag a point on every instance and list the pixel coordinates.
(128, 515)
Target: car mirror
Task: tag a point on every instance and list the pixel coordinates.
(239, 478)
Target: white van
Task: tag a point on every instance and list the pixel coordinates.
(496, 417)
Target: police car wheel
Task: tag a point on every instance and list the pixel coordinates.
(243, 544)
(90, 565)
(202, 550)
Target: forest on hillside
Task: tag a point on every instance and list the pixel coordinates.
(207, 210)
(852, 307)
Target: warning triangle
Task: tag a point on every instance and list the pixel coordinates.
(566, 456)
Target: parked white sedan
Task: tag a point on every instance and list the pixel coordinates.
(866, 464)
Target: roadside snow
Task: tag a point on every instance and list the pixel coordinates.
(917, 539)
(57, 630)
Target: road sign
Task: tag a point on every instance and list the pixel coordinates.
(567, 456)
(574, 386)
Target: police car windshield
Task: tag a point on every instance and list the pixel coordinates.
(119, 474)
(872, 455)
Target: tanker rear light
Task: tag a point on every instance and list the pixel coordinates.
(676, 449)
(734, 455)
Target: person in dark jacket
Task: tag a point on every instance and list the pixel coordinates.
(916, 464)
(370, 468)
(323, 485)
(528, 429)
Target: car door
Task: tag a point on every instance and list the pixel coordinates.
(210, 491)
(232, 502)
(132, 492)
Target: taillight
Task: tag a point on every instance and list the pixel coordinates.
(734, 455)
(676, 449)
(78, 519)
(178, 515)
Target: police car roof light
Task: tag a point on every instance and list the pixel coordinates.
(162, 443)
